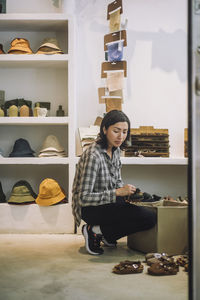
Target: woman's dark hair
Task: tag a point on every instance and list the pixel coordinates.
(112, 117)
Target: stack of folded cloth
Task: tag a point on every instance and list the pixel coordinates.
(22, 193)
(52, 148)
(50, 193)
(20, 46)
(49, 46)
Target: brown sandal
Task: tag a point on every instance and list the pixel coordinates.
(128, 267)
(161, 269)
(182, 260)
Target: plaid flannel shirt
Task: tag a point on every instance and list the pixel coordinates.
(96, 179)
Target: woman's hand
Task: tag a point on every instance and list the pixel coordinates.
(126, 190)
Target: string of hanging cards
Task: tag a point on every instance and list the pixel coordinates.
(114, 68)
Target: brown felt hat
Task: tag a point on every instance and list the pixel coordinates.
(20, 46)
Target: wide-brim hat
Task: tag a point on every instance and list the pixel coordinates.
(49, 46)
(51, 143)
(21, 195)
(20, 44)
(22, 148)
(49, 193)
(2, 195)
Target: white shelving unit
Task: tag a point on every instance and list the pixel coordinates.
(51, 78)
(36, 77)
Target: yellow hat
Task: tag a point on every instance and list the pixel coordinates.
(20, 46)
(49, 193)
(13, 111)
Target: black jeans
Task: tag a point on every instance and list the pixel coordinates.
(119, 220)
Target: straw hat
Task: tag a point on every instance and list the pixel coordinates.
(49, 46)
(49, 193)
(20, 46)
(51, 143)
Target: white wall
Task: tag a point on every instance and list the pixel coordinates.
(156, 86)
(156, 89)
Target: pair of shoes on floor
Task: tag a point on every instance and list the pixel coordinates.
(128, 267)
(93, 241)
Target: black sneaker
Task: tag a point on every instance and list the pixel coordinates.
(92, 240)
(108, 243)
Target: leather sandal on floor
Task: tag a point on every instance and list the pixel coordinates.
(164, 260)
(160, 269)
(128, 267)
(182, 260)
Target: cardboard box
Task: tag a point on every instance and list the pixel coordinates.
(170, 235)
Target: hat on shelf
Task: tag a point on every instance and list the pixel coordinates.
(21, 148)
(52, 147)
(1, 152)
(24, 111)
(13, 111)
(2, 114)
(20, 46)
(22, 193)
(2, 195)
(49, 46)
(27, 184)
(1, 49)
(50, 193)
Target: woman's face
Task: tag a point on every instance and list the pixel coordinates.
(116, 134)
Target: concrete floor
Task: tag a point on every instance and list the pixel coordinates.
(57, 267)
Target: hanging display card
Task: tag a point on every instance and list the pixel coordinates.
(114, 6)
(113, 66)
(113, 103)
(114, 37)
